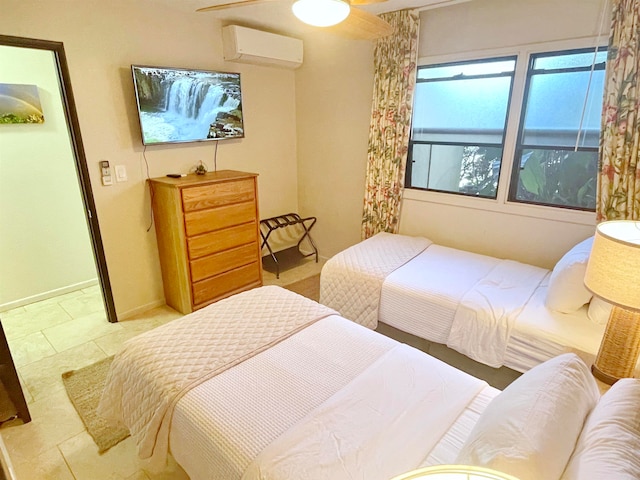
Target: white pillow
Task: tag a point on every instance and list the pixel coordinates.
(566, 292)
(599, 311)
(530, 429)
(609, 446)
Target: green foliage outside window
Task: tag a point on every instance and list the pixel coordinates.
(559, 177)
(479, 171)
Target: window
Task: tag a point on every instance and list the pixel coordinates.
(458, 127)
(557, 150)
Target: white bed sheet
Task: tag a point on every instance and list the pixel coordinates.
(222, 424)
(417, 302)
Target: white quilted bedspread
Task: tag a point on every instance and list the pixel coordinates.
(155, 369)
(351, 281)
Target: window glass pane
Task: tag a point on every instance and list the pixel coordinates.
(469, 111)
(474, 68)
(569, 60)
(554, 109)
(548, 170)
(469, 170)
(558, 177)
(459, 117)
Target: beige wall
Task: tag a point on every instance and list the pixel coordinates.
(102, 40)
(45, 249)
(333, 95)
(485, 24)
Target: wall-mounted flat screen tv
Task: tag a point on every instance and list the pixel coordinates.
(185, 105)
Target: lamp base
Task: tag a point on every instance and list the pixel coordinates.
(603, 377)
(620, 347)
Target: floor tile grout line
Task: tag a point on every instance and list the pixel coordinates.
(102, 350)
(64, 459)
(48, 341)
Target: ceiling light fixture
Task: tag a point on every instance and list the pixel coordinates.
(321, 13)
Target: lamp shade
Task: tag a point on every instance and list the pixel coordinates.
(613, 271)
(321, 13)
(454, 472)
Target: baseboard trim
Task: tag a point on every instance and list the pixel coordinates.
(142, 309)
(47, 295)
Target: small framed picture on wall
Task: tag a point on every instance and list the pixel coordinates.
(20, 104)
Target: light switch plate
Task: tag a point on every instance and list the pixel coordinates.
(121, 173)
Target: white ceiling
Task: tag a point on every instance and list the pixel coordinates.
(276, 16)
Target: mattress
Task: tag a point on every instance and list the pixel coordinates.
(540, 334)
(224, 423)
(418, 301)
(446, 450)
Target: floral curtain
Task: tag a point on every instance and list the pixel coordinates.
(619, 169)
(395, 59)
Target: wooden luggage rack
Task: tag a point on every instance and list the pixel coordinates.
(282, 221)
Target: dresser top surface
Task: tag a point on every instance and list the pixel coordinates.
(210, 177)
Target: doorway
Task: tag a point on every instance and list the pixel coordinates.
(78, 176)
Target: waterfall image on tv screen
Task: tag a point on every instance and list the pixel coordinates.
(183, 105)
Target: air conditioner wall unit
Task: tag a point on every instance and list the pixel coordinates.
(246, 45)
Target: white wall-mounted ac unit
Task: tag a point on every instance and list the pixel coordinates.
(246, 45)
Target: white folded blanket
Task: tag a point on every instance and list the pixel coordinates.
(378, 426)
(484, 318)
(351, 281)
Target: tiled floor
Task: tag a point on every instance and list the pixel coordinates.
(65, 333)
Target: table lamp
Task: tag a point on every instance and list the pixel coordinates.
(613, 274)
(454, 472)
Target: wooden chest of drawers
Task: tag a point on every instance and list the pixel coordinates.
(207, 228)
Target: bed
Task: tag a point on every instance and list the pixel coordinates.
(496, 312)
(270, 385)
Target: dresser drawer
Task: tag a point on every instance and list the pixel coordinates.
(203, 221)
(224, 261)
(214, 242)
(222, 284)
(218, 194)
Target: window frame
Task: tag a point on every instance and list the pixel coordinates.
(520, 146)
(501, 204)
(412, 142)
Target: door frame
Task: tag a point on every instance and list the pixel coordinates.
(57, 48)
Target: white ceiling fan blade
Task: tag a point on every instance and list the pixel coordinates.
(241, 3)
(361, 25)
